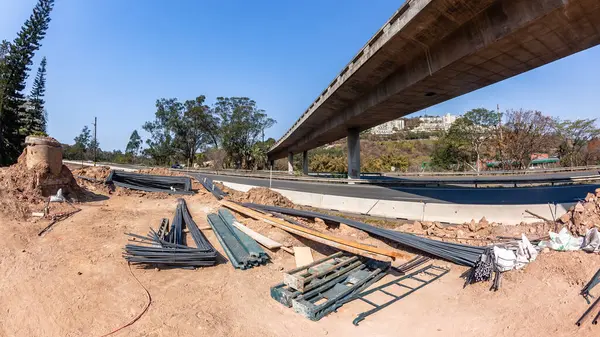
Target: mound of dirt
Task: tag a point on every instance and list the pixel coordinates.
(94, 172)
(25, 190)
(584, 215)
(574, 267)
(260, 195)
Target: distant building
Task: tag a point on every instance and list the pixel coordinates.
(388, 128)
(435, 123)
(424, 124)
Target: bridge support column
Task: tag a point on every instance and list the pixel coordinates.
(305, 162)
(353, 154)
(290, 163)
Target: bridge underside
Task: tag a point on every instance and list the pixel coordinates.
(444, 49)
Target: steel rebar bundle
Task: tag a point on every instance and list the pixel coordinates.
(151, 183)
(242, 250)
(412, 264)
(458, 253)
(210, 186)
(167, 247)
(585, 292)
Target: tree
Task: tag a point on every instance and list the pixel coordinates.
(242, 123)
(195, 128)
(258, 158)
(524, 133)
(82, 142)
(13, 73)
(452, 150)
(33, 119)
(181, 129)
(216, 158)
(161, 139)
(477, 127)
(134, 144)
(574, 137)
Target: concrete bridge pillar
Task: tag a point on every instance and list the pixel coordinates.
(290, 163)
(305, 162)
(353, 154)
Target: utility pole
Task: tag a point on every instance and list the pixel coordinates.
(95, 141)
(500, 119)
(501, 142)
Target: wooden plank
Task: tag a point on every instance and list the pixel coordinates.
(336, 242)
(288, 250)
(303, 256)
(263, 240)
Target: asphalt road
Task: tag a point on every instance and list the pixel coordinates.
(458, 195)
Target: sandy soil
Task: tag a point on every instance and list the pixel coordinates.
(74, 282)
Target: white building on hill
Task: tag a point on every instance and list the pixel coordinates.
(388, 128)
(435, 123)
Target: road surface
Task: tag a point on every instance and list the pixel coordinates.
(458, 195)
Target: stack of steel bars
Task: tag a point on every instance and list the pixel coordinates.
(585, 292)
(167, 246)
(458, 253)
(242, 250)
(151, 183)
(412, 264)
(210, 186)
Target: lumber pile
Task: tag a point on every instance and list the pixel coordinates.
(350, 246)
(458, 253)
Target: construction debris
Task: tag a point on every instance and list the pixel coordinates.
(242, 250)
(324, 285)
(584, 215)
(562, 241)
(167, 246)
(151, 183)
(303, 256)
(591, 241)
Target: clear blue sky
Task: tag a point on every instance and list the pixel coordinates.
(113, 58)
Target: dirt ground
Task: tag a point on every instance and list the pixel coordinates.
(74, 282)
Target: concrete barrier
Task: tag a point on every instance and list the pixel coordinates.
(443, 212)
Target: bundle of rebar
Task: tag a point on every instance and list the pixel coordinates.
(210, 186)
(242, 250)
(412, 264)
(585, 292)
(151, 183)
(458, 253)
(166, 247)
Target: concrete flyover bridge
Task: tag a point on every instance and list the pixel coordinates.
(430, 51)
